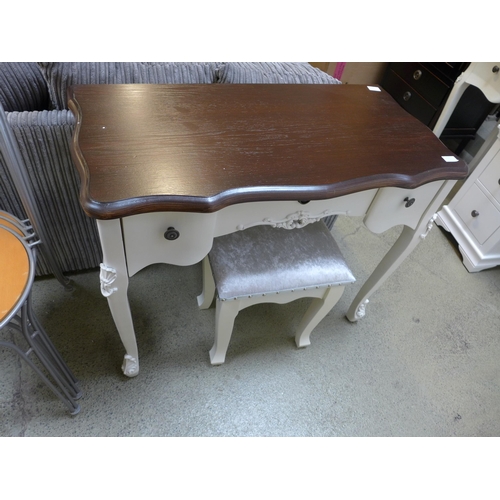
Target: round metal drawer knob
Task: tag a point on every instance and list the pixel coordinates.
(406, 96)
(417, 74)
(495, 69)
(474, 213)
(409, 202)
(171, 234)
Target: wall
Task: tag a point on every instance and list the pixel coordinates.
(368, 73)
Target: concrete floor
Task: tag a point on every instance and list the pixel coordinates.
(423, 362)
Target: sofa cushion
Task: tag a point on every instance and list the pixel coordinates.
(60, 75)
(272, 72)
(22, 87)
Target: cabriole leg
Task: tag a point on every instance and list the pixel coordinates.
(114, 286)
(225, 314)
(404, 245)
(318, 309)
(206, 297)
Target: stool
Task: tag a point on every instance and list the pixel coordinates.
(17, 271)
(266, 264)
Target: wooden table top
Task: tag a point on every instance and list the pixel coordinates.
(200, 148)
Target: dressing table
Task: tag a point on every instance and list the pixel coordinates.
(167, 168)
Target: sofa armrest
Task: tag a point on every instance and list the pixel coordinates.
(22, 87)
(44, 139)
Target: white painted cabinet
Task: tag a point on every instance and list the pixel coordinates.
(473, 215)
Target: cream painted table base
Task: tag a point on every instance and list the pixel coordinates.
(132, 243)
(165, 169)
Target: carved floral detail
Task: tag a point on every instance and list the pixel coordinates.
(292, 221)
(107, 277)
(130, 366)
(430, 224)
(361, 310)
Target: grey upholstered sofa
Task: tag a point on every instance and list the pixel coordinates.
(34, 98)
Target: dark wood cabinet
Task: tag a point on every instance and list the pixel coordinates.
(423, 88)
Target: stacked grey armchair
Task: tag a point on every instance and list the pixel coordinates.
(34, 96)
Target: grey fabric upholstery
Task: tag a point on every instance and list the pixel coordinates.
(22, 87)
(60, 75)
(275, 72)
(263, 259)
(44, 138)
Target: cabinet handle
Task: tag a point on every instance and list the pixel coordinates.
(171, 234)
(406, 96)
(474, 213)
(495, 69)
(417, 74)
(409, 202)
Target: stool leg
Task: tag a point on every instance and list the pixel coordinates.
(64, 389)
(206, 297)
(49, 357)
(73, 407)
(225, 314)
(318, 309)
(42, 345)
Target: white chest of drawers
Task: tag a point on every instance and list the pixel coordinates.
(473, 215)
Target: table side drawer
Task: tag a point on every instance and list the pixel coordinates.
(179, 238)
(408, 98)
(428, 85)
(393, 206)
(478, 213)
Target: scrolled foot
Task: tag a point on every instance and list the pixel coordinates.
(430, 225)
(216, 358)
(130, 366)
(302, 341)
(359, 313)
(205, 300)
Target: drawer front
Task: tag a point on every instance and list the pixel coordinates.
(176, 238)
(393, 206)
(408, 98)
(290, 213)
(478, 214)
(490, 178)
(429, 86)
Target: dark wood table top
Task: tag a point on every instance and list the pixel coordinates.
(200, 148)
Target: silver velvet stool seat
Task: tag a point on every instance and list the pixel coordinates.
(266, 264)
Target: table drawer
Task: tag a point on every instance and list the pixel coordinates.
(429, 86)
(179, 238)
(408, 98)
(478, 213)
(290, 214)
(393, 206)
